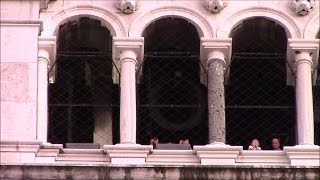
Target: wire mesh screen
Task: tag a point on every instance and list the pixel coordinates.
(83, 100)
(172, 102)
(83, 92)
(259, 104)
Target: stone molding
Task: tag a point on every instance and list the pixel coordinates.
(302, 45)
(109, 19)
(218, 154)
(303, 155)
(285, 20)
(127, 153)
(201, 23)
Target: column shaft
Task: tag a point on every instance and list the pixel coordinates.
(42, 100)
(304, 102)
(128, 97)
(216, 103)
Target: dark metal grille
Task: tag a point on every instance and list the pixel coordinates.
(83, 99)
(172, 102)
(259, 104)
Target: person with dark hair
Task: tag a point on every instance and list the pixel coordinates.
(275, 142)
(154, 141)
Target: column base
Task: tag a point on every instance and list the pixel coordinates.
(127, 153)
(303, 155)
(218, 153)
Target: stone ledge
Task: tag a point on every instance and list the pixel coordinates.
(218, 154)
(127, 154)
(102, 171)
(303, 155)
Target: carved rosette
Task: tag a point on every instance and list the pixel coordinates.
(214, 6)
(127, 6)
(302, 7)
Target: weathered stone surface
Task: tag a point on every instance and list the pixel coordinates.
(216, 104)
(156, 172)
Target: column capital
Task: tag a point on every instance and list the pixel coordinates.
(47, 48)
(128, 46)
(299, 51)
(213, 48)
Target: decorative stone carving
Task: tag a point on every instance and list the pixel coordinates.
(127, 6)
(214, 6)
(302, 7)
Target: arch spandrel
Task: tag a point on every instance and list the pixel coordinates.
(312, 28)
(115, 25)
(201, 23)
(285, 20)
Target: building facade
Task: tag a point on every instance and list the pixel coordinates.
(89, 83)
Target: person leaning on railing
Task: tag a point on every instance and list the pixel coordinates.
(275, 142)
(154, 141)
(255, 145)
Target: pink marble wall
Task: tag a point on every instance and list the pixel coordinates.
(19, 49)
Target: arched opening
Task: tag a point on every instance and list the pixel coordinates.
(259, 104)
(83, 98)
(316, 101)
(172, 102)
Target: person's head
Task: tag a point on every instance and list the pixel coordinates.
(154, 141)
(184, 141)
(275, 143)
(255, 143)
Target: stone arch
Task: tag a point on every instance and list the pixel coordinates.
(203, 26)
(290, 26)
(312, 28)
(115, 25)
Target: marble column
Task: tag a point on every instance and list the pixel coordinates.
(46, 53)
(42, 97)
(216, 103)
(128, 61)
(304, 104)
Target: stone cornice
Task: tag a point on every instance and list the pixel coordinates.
(295, 46)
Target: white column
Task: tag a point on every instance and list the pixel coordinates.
(128, 60)
(128, 51)
(42, 97)
(46, 53)
(304, 104)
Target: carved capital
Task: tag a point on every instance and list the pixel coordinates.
(302, 50)
(214, 6)
(47, 48)
(127, 6)
(302, 7)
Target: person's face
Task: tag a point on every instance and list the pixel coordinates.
(255, 143)
(275, 143)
